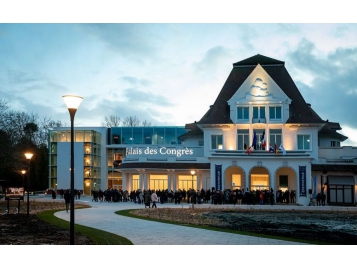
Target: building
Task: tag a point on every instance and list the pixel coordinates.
(259, 134)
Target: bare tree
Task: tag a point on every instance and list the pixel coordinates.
(131, 121)
(111, 121)
(146, 123)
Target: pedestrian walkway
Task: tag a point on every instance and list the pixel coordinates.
(142, 232)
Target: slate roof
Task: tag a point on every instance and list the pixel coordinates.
(300, 111)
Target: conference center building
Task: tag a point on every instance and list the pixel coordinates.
(259, 134)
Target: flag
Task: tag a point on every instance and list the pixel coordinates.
(281, 147)
(271, 149)
(254, 139)
(275, 149)
(249, 150)
(263, 140)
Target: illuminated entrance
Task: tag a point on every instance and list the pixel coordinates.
(259, 179)
(187, 182)
(158, 182)
(233, 178)
(136, 184)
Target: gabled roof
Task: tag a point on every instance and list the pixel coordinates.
(300, 111)
(262, 60)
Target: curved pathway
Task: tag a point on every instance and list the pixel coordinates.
(141, 232)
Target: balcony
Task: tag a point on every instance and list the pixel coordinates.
(259, 120)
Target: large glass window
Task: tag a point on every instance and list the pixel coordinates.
(275, 137)
(259, 182)
(158, 137)
(217, 142)
(242, 113)
(158, 182)
(148, 132)
(137, 135)
(243, 139)
(127, 135)
(303, 142)
(187, 182)
(170, 136)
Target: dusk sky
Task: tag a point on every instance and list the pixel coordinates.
(168, 73)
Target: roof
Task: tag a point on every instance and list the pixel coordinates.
(300, 111)
(194, 131)
(262, 60)
(329, 131)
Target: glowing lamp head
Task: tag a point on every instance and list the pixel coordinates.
(72, 101)
(193, 172)
(28, 155)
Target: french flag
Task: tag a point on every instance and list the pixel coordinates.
(263, 141)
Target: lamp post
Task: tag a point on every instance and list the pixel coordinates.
(192, 199)
(72, 103)
(23, 172)
(28, 157)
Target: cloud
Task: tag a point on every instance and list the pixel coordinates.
(333, 89)
(135, 81)
(135, 41)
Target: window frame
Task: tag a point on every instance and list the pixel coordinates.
(308, 136)
(245, 113)
(275, 113)
(216, 137)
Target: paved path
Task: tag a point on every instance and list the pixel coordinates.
(141, 232)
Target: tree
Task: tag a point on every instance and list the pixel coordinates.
(131, 121)
(146, 123)
(111, 121)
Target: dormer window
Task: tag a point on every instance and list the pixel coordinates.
(259, 114)
(275, 113)
(243, 113)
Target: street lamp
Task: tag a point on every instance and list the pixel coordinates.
(72, 103)
(28, 157)
(192, 199)
(23, 172)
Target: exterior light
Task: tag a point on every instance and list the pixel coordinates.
(192, 201)
(28, 157)
(72, 103)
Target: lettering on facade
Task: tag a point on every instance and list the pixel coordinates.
(159, 151)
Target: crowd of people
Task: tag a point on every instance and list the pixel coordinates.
(228, 196)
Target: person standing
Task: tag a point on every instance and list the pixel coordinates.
(67, 199)
(146, 199)
(154, 199)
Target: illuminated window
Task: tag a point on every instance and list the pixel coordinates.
(275, 137)
(259, 182)
(243, 139)
(217, 142)
(236, 181)
(303, 142)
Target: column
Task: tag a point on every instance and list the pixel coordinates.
(124, 181)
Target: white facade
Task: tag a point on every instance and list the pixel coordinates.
(220, 148)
